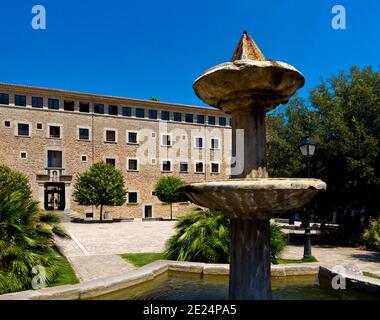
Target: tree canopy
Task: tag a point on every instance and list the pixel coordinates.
(101, 185)
(343, 117)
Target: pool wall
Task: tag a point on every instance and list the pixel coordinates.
(99, 287)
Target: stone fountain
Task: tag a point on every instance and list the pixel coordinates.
(247, 88)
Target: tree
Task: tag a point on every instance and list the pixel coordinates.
(166, 190)
(27, 235)
(101, 185)
(155, 99)
(342, 116)
(203, 236)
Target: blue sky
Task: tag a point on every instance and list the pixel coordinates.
(141, 49)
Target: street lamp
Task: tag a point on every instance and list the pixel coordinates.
(307, 148)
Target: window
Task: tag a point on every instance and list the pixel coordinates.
(99, 108)
(177, 116)
(54, 159)
(140, 113)
(152, 114)
(4, 98)
(113, 110)
(183, 167)
(83, 158)
(68, 105)
(222, 121)
(127, 111)
(165, 115)
(199, 167)
(53, 104)
(166, 166)
(132, 165)
(166, 140)
(20, 100)
(214, 167)
(111, 161)
(153, 161)
(39, 126)
(55, 132)
(132, 137)
(84, 134)
(200, 119)
(23, 155)
(23, 130)
(110, 136)
(189, 118)
(37, 102)
(211, 120)
(199, 142)
(214, 143)
(230, 122)
(132, 197)
(84, 107)
(7, 124)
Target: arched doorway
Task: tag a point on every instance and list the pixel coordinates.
(54, 196)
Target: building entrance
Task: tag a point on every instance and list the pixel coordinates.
(54, 196)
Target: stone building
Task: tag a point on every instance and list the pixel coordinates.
(53, 135)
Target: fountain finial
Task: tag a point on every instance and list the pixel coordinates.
(247, 49)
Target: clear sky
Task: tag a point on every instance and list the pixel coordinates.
(141, 49)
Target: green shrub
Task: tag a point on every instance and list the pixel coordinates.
(371, 235)
(203, 236)
(27, 235)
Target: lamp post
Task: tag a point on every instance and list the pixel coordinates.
(307, 148)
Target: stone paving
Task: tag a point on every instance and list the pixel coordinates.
(94, 248)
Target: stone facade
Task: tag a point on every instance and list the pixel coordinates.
(30, 149)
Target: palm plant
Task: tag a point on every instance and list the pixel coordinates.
(203, 236)
(26, 241)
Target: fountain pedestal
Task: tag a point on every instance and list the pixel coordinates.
(247, 87)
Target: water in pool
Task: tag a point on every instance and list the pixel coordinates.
(188, 286)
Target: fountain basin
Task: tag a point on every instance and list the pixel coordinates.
(254, 198)
(242, 84)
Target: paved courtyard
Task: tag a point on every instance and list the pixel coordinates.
(93, 248)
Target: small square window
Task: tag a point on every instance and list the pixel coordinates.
(140, 113)
(23, 155)
(113, 110)
(214, 167)
(166, 166)
(84, 107)
(110, 136)
(132, 165)
(199, 167)
(83, 158)
(23, 130)
(165, 115)
(189, 118)
(222, 121)
(20, 100)
(127, 111)
(132, 197)
(4, 98)
(84, 134)
(39, 126)
(177, 116)
(7, 124)
(132, 137)
(53, 104)
(199, 142)
(68, 105)
(214, 143)
(200, 119)
(99, 108)
(111, 161)
(166, 140)
(211, 120)
(152, 114)
(37, 102)
(55, 132)
(183, 167)
(153, 161)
